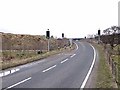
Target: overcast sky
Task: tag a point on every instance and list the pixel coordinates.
(74, 18)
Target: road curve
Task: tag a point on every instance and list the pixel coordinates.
(65, 70)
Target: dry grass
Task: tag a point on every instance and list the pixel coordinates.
(20, 49)
(104, 76)
(26, 59)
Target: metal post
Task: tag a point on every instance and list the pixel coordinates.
(48, 45)
(48, 37)
(99, 39)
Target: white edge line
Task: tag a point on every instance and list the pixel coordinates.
(90, 70)
(76, 46)
(19, 82)
(64, 60)
(49, 68)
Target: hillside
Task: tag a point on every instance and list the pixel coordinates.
(29, 42)
(18, 47)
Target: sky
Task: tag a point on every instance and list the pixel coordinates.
(74, 18)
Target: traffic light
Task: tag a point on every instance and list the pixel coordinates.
(98, 32)
(62, 35)
(48, 34)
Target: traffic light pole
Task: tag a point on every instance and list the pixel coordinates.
(99, 39)
(98, 36)
(48, 45)
(48, 37)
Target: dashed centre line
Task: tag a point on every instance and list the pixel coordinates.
(19, 83)
(73, 55)
(49, 68)
(64, 60)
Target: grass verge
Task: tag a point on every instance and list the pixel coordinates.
(17, 61)
(104, 76)
(116, 59)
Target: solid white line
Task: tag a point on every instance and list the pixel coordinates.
(73, 55)
(76, 46)
(49, 68)
(64, 61)
(19, 83)
(90, 70)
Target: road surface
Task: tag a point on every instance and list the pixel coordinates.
(65, 70)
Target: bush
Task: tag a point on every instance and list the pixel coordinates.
(39, 52)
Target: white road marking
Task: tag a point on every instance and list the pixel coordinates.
(49, 68)
(12, 71)
(17, 69)
(19, 83)
(76, 46)
(73, 55)
(1, 74)
(90, 70)
(64, 60)
(6, 73)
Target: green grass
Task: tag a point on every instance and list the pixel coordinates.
(104, 76)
